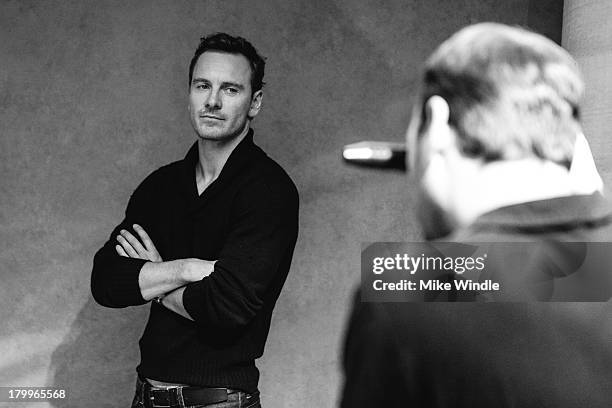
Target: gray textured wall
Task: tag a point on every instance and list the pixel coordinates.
(587, 35)
(93, 98)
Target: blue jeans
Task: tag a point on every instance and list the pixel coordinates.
(236, 399)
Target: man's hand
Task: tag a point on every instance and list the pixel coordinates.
(194, 269)
(130, 247)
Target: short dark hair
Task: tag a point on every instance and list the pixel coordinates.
(233, 45)
(512, 93)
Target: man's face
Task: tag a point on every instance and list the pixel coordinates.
(220, 100)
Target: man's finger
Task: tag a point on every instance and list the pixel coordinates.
(120, 251)
(148, 243)
(127, 247)
(134, 242)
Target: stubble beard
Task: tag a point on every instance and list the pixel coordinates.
(218, 134)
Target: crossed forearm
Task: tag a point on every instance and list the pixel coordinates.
(158, 278)
(174, 301)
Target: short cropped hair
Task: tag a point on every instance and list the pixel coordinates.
(233, 45)
(512, 93)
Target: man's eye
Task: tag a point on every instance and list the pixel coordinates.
(202, 86)
(231, 91)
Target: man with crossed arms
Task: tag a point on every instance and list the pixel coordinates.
(210, 238)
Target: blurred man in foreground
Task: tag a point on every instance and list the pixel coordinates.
(496, 146)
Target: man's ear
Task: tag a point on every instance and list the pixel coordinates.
(437, 114)
(255, 103)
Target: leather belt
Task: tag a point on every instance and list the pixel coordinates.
(184, 396)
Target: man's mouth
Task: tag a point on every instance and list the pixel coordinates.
(209, 116)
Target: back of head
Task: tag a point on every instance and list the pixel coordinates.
(512, 93)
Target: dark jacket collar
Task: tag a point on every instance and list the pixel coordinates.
(556, 212)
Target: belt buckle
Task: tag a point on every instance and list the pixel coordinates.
(175, 396)
(152, 394)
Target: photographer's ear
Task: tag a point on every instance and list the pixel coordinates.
(441, 135)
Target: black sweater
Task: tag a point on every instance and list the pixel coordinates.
(247, 219)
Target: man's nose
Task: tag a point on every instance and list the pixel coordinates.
(213, 101)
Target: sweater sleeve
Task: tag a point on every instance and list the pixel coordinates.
(253, 262)
(114, 279)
